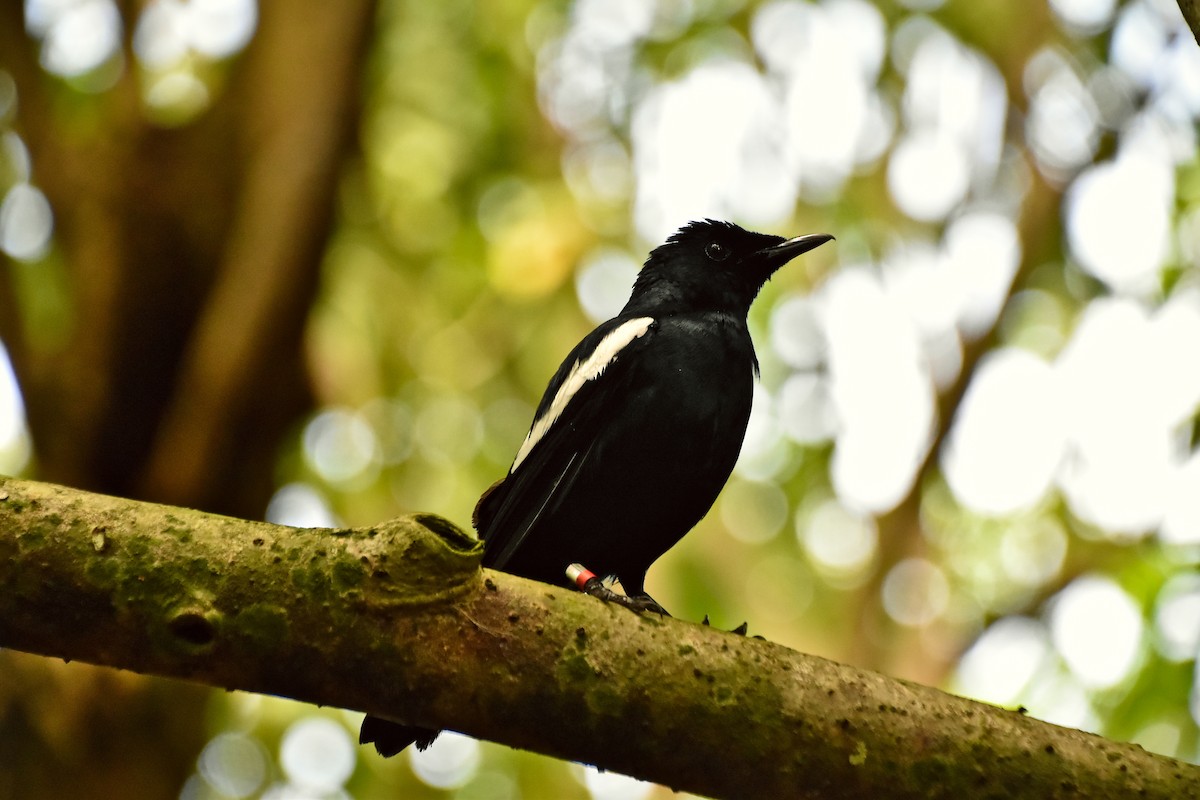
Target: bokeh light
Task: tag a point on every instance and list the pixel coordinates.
(1008, 440)
(340, 445)
(177, 93)
(78, 36)
(1126, 392)
(915, 592)
(300, 506)
(220, 28)
(703, 147)
(15, 448)
(286, 791)
(1181, 519)
(1097, 628)
(753, 511)
(1194, 695)
(449, 763)
(13, 149)
(168, 29)
(1139, 41)
(873, 343)
(927, 176)
(1118, 215)
(764, 452)
(954, 107)
(316, 755)
(1063, 124)
(603, 283)
(797, 335)
(981, 251)
(1059, 698)
(828, 54)
(234, 764)
(1004, 660)
(1088, 16)
(840, 544)
(1177, 618)
(605, 785)
(806, 410)
(1032, 551)
(26, 223)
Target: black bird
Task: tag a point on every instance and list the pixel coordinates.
(638, 430)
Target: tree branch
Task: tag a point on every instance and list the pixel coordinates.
(292, 145)
(18, 58)
(398, 620)
(1191, 13)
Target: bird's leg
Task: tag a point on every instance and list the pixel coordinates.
(588, 583)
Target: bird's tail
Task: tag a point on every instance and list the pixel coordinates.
(390, 738)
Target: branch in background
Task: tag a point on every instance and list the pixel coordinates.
(884, 644)
(884, 647)
(19, 62)
(1191, 13)
(190, 254)
(398, 620)
(162, 234)
(296, 109)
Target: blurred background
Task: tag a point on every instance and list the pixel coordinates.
(315, 263)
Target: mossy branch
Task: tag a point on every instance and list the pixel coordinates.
(400, 621)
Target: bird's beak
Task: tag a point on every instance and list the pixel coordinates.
(779, 254)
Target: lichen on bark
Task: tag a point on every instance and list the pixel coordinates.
(399, 620)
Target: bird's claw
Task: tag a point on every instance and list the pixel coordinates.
(638, 604)
(589, 583)
(644, 602)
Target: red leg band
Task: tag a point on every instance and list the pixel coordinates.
(579, 575)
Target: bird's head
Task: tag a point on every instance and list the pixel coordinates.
(713, 265)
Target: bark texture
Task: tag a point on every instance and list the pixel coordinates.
(399, 620)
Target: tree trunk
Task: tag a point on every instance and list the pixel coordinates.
(159, 349)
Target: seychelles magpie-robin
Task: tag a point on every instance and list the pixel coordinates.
(638, 430)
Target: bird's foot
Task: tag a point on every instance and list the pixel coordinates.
(588, 583)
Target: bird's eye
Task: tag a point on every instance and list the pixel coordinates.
(716, 251)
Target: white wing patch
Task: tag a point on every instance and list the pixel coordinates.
(584, 370)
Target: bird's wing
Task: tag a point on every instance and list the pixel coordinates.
(561, 439)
